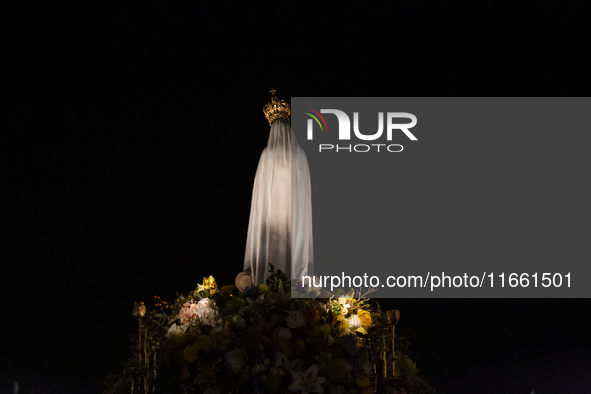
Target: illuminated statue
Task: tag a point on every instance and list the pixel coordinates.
(280, 225)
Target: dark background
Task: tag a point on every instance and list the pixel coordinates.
(133, 133)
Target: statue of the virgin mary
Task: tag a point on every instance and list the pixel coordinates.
(280, 225)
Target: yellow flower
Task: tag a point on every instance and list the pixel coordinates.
(227, 289)
(209, 283)
(263, 288)
(360, 340)
(212, 292)
(191, 353)
(343, 326)
(365, 317)
(363, 381)
(205, 343)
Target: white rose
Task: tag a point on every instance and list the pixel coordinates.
(354, 323)
(236, 359)
(282, 334)
(295, 319)
(209, 316)
(205, 303)
(209, 390)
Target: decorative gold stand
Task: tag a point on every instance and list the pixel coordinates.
(387, 344)
(148, 349)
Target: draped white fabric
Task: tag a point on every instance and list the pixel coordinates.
(280, 226)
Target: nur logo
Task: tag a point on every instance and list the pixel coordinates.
(345, 128)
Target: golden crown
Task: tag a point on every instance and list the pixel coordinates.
(276, 109)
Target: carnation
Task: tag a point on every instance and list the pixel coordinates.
(188, 312)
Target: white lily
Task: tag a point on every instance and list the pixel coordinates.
(307, 382)
(283, 365)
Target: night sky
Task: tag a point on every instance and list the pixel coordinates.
(133, 137)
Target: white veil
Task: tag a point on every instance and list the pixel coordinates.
(280, 225)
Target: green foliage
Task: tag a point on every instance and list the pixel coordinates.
(276, 275)
(262, 339)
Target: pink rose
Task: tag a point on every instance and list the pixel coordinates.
(189, 311)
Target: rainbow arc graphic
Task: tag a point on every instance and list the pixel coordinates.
(315, 118)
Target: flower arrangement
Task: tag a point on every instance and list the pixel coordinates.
(261, 340)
